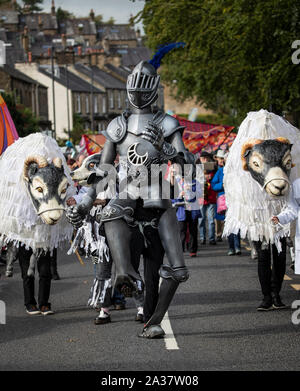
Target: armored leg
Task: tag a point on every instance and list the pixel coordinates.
(118, 235)
(171, 274)
(116, 216)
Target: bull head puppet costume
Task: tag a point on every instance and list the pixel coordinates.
(34, 184)
(263, 160)
(142, 138)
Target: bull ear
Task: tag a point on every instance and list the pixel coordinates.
(246, 149)
(32, 164)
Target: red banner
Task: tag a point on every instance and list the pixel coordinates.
(208, 137)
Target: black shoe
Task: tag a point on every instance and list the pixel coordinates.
(219, 239)
(8, 273)
(278, 304)
(103, 318)
(139, 318)
(266, 304)
(46, 310)
(212, 242)
(120, 306)
(55, 276)
(32, 309)
(203, 241)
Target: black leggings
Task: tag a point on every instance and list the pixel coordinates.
(153, 259)
(271, 279)
(193, 230)
(43, 266)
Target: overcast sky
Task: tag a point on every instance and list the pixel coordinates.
(119, 9)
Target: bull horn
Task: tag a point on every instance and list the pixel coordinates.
(283, 140)
(41, 161)
(57, 162)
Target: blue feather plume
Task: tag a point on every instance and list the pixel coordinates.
(162, 51)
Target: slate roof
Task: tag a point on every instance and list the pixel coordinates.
(9, 17)
(49, 21)
(118, 70)
(116, 32)
(132, 56)
(16, 74)
(101, 77)
(66, 77)
(77, 26)
(14, 52)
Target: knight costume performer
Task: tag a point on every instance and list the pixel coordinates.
(142, 139)
(262, 162)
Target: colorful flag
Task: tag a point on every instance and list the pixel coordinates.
(208, 137)
(92, 143)
(8, 132)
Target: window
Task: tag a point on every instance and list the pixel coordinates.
(119, 100)
(111, 99)
(104, 104)
(87, 104)
(96, 104)
(78, 104)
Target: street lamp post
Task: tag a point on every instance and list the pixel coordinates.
(68, 107)
(53, 91)
(92, 95)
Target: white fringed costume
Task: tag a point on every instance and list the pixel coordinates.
(19, 222)
(250, 208)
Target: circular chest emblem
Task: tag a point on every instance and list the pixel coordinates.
(134, 158)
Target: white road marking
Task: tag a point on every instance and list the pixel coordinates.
(170, 340)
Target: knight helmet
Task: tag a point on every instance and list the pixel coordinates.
(142, 85)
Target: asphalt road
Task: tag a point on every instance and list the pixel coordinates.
(213, 317)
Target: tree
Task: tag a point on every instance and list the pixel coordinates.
(33, 5)
(62, 14)
(111, 20)
(237, 54)
(25, 121)
(78, 129)
(99, 19)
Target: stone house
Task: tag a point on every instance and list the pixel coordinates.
(27, 91)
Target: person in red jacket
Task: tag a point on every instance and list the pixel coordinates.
(208, 210)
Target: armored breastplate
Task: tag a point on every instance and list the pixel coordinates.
(137, 123)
